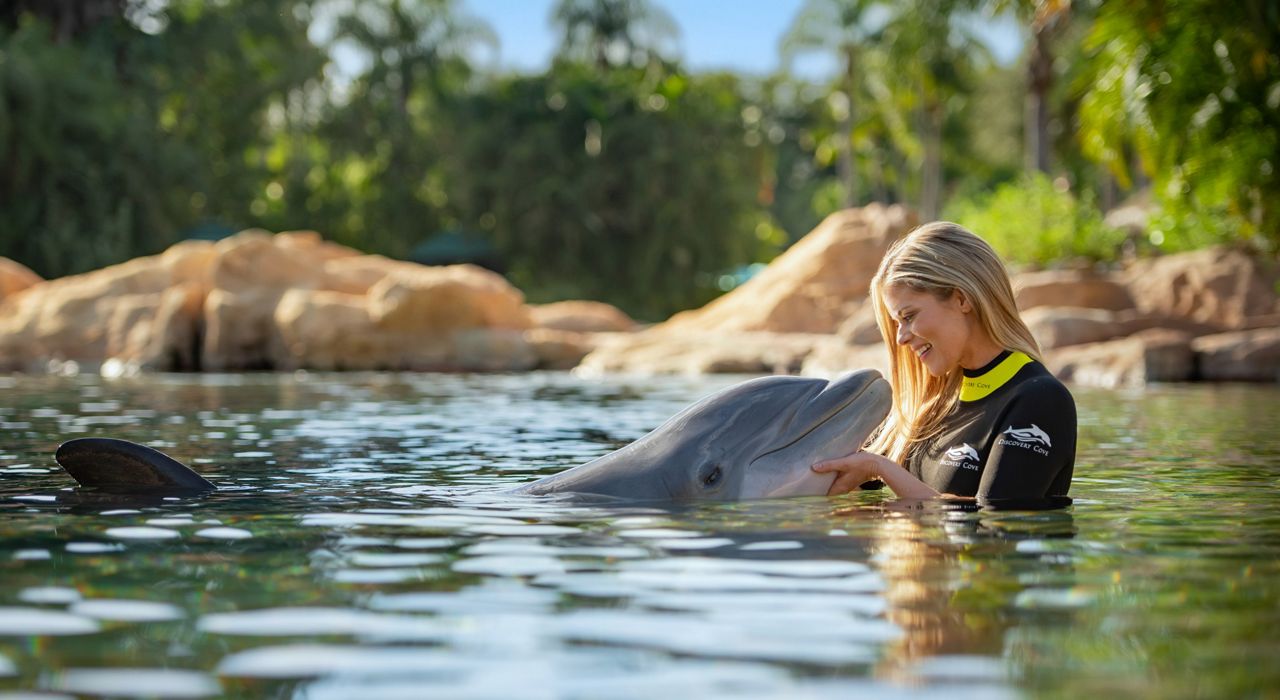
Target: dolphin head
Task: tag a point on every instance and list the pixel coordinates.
(756, 439)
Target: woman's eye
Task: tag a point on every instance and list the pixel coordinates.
(712, 477)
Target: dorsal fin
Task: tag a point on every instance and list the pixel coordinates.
(123, 466)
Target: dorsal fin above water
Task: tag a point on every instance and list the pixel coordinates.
(122, 466)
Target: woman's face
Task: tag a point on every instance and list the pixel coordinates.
(942, 333)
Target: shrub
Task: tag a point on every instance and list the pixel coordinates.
(1036, 221)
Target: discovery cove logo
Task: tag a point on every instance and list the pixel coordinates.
(962, 455)
(1027, 438)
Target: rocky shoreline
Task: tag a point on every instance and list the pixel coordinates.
(258, 301)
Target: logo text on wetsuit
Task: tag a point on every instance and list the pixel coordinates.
(963, 456)
(1027, 438)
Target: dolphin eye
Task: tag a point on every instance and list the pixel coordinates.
(713, 477)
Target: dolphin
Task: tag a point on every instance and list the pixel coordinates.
(751, 440)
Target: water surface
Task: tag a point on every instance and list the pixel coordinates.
(361, 545)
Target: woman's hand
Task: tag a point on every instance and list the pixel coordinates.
(853, 470)
(860, 467)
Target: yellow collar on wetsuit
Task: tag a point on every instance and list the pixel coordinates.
(981, 386)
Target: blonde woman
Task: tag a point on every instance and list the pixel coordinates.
(975, 413)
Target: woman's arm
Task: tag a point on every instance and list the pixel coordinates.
(859, 467)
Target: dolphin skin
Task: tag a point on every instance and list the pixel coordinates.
(122, 466)
(755, 439)
(752, 440)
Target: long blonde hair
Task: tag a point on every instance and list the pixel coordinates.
(939, 258)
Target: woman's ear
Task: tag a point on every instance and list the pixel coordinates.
(962, 300)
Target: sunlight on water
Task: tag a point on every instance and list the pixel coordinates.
(361, 544)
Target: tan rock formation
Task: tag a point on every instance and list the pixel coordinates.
(832, 357)
(1252, 356)
(815, 285)
(769, 324)
(103, 314)
(257, 301)
(1155, 355)
(414, 318)
(557, 349)
(1216, 286)
(1059, 326)
(1079, 288)
(690, 352)
(581, 316)
(15, 277)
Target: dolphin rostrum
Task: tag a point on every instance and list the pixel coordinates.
(755, 439)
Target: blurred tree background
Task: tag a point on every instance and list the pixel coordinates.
(617, 174)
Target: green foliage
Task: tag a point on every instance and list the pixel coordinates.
(616, 175)
(1189, 93)
(80, 161)
(645, 188)
(1032, 221)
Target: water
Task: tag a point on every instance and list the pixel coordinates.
(360, 546)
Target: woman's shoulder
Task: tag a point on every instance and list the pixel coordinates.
(1040, 383)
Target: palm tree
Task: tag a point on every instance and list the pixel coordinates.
(612, 32)
(848, 27)
(412, 42)
(1044, 18)
(936, 55)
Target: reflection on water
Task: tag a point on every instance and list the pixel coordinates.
(361, 544)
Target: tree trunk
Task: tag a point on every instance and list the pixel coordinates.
(845, 168)
(931, 173)
(1036, 118)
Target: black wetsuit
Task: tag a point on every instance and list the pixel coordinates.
(1011, 436)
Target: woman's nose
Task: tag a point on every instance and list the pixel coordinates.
(903, 335)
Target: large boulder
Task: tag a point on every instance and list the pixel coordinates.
(415, 318)
(1252, 355)
(260, 301)
(581, 317)
(832, 357)
(812, 287)
(250, 275)
(1155, 355)
(691, 352)
(104, 314)
(15, 277)
(1079, 288)
(1059, 326)
(1218, 286)
(771, 323)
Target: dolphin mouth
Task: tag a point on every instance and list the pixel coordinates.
(826, 417)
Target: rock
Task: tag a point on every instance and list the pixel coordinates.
(650, 352)
(581, 316)
(328, 330)
(1080, 288)
(1216, 286)
(441, 299)
(558, 349)
(832, 357)
(812, 287)
(249, 276)
(861, 328)
(492, 350)
(1058, 326)
(1251, 356)
(104, 314)
(357, 275)
(1155, 355)
(415, 318)
(15, 277)
(773, 321)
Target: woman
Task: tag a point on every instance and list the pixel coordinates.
(975, 413)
